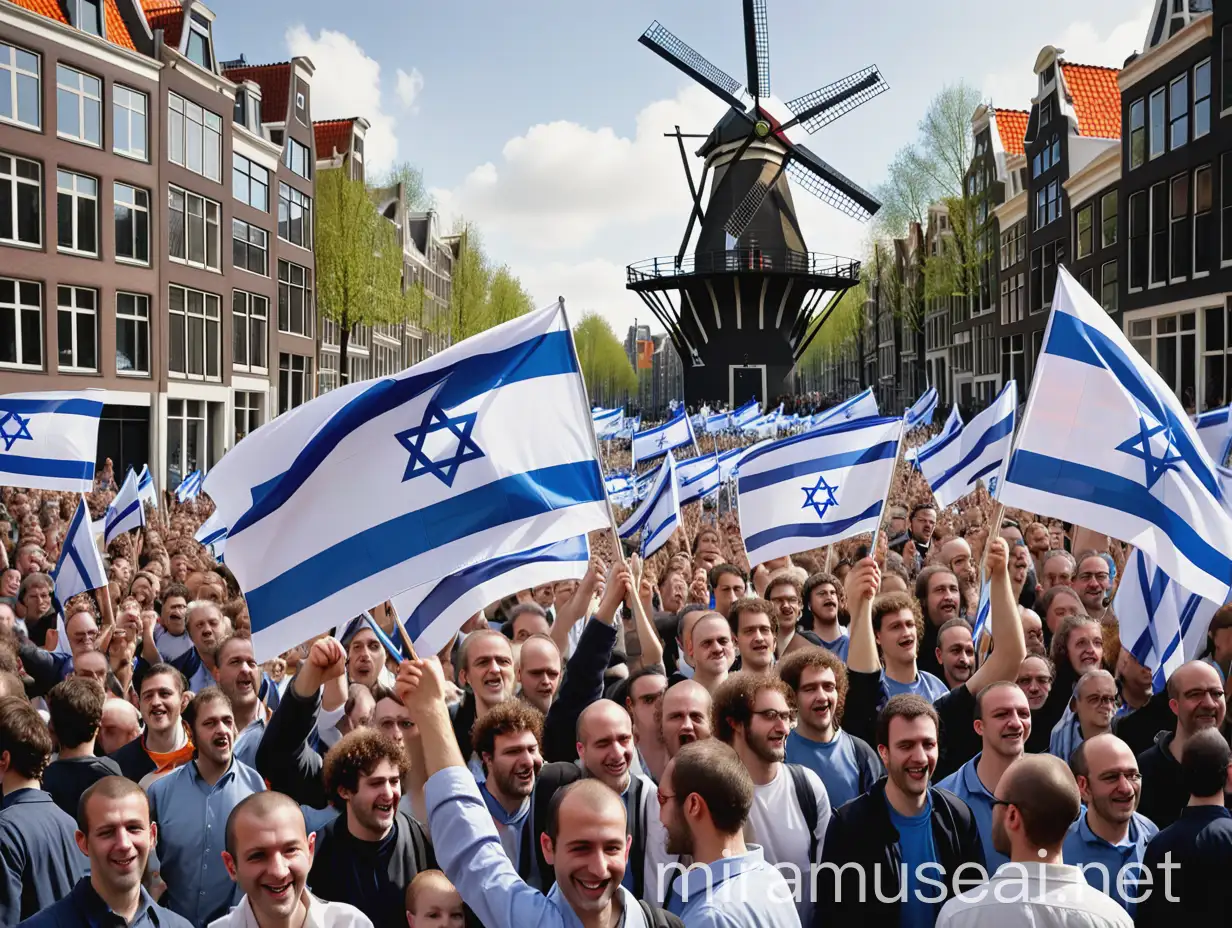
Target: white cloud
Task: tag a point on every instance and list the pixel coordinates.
(409, 86)
(347, 83)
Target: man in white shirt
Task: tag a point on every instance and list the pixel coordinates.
(1037, 799)
(269, 854)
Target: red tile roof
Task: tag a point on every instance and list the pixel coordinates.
(117, 32)
(275, 83)
(167, 15)
(1012, 127)
(333, 135)
(1097, 99)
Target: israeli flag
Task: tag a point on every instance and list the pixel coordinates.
(604, 416)
(729, 461)
(433, 612)
(672, 434)
(953, 424)
(701, 482)
(658, 516)
(125, 512)
(1214, 429)
(745, 414)
(611, 425)
(213, 534)
(80, 567)
(49, 441)
(817, 487)
(921, 412)
(980, 627)
(719, 422)
(383, 486)
(765, 425)
(145, 486)
(190, 487)
(628, 427)
(860, 406)
(978, 452)
(1106, 444)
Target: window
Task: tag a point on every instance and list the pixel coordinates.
(250, 183)
(198, 48)
(77, 213)
(250, 323)
(1046, 111)
(195, 324)
(194, 137)
(193, 229)
(1041, 208)
(1158, 123)
(88, 15)
(301, 102)
(294, 299)
(20, 86)
(250, 248)
(128, 114)
(249, 412)
(1139, 240)
(294, 377)
(1137, 134)
(1182, 243)
(21, 323)
(1086, 233)
(1170, 344)
(1178, 104)
(298, 159)
(132, 333)
(1086, 280)
(1054, 201)
(1159, 234)
(1202, 99)
(21, 198)
(1037, 280)
(1054, 257)
(77, 330)
(1108, 219)
(132, 223)
(294, 216)
(79, 106)
(1225, 208)
(1203, 229)
(186, 438)
(1109, 286)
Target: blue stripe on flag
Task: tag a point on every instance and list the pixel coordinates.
(510, 499)
(71, 406)
(847, 425)
(996, 433)
(43, 467)
(814, 530)
(121, 516)
(877, 452)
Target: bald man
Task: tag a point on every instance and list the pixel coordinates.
(684, 715)
(121, 724)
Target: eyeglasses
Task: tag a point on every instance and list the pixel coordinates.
(1086, 576)
(665, 798)
(1097, 700)
(774, 715)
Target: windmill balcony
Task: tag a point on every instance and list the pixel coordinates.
(655, 273)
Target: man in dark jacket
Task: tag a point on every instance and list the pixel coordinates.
(901, 821)
(76, 708)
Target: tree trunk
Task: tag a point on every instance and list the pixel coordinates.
(344, 342)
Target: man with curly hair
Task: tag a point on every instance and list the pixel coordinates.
(508, 742)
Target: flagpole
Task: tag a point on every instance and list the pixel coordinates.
(406, 638)
(898, 457)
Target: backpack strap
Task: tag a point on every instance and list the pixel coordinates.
(807, 800)
(637, 828)
(659, 918)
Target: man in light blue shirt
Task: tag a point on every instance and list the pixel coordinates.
(898, 627)
(822, 597)
(1003, 721)
(239, 676)
(190, 806)
(704, 801)
(1109, 838)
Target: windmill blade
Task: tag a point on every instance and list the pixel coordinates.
(830, 186)
(751, 202)
(826, 104)
(671, 49)
(757, 47)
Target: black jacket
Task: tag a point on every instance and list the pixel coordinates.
(1197, 848)
(582, 685)
(134, 762)
(285, 758)
(861, 833)
(1140, 727)
(1163, 793)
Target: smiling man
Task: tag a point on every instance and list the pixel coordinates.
(755, 626)
(898, 626)
(955, 652)
(539, 671)
(710, 650)
(269, 854)
(239, 675)
(508, 741)
(167, 742)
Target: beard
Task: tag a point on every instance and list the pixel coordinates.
(509, 783)
(679, 839)
(766, 751)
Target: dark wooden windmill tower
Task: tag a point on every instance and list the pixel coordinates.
(744, 306)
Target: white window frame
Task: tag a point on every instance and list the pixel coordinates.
(288, 158)
(206, 204)
(1187, 178)
(254, 403)
(1173, 119)
(246, 170)
(250, 227)
(135, 207)
(99, 11)
(251, 300)
(84, 97)
(1210, 99)
(16, 73)
(1162, 95)
(141, 328)
(1146, 134)
(207, 318)
(74, 311)
(122, 106)
(14, 182)
(18, 308)
(76, 195)
(1103, 219)
(296, 197)
(284, 396)
(1102, 268)
(185, 110)
(1151, 283)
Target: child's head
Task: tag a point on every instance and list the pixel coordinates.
(432, 902)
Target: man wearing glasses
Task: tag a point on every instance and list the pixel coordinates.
(1093, 584)
(1091, 709)
(791, 809)
(47, 668)
(1110, 840)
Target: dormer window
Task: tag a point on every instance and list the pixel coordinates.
(241, 108)
(357, 148)
(248, 110)
(198, 49)
(87, 15)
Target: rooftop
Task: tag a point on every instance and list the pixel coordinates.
(1012, 127)
(117, 32)
(167, 15)
(1096, 98)
(274, 81)
(333, 135)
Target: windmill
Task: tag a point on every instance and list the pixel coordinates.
(749, 298)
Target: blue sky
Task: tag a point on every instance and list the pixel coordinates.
(544, 124)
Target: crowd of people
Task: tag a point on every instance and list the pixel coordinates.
(818, 740)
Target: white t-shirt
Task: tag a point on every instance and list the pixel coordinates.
(776, 823)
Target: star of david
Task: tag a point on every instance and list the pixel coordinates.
(819, 505)
(1154, 444)
(663, 441)
(11, 436)
(435, 420)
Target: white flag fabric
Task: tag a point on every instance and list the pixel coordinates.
(610, 426)
(80, 567)
(1106, 444)
(658, 515)
(126, 511)
(921, 411)
(190, 487)
(213, 534)
(719, 422)
(978, 452)
(669, 436)
(629, 427)
(1214, 429)
(698, 483)
(860, 406)
(382, 486)
(745, 414)
(953, 424)
(433, 612)
(729, 461)
(145, 486)
(817, 487)
(49, 441)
